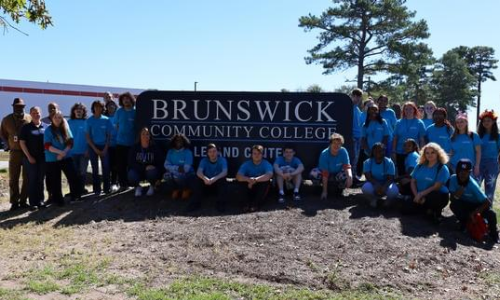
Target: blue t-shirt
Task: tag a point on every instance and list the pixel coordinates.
(125, 119)
(472, 192)
(333, 163)
(390, 117)
(249, 169)
(56, 142)
(362, 118)
(356, 122)
(179, 157)
(379, 171)
(440, 135)
(294, 163)
(427, 122)
(98, 129)
(427, 177)
(375, 133)
(212, 169)
(408, 129)
(464, 147)
(114, 131)
(489, 148)
(411, 161)
(77, 127)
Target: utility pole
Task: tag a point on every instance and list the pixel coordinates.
(195, 85)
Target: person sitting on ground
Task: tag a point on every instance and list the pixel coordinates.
(468, 200)
(334, 168)
(379, 172)
(428, 183)
(211, 177)
(144, 163)
(179, 167)
(288, 169)
(411, 161)
(254, 177)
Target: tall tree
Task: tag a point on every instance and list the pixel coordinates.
(33, 11)
(453, 84)
(480, 62)
(368, 34)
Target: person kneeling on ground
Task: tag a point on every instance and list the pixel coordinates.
(411, 161)
(428, 183)
(144, 163)
(379, 172)
(334, 168)
(467, 199)
(179, 167)
(288, 169)
(211, 177)
(254, 177)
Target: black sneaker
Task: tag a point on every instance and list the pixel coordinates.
(437, 218)
(24, 205)
(281, 198)
(296, 196)
(14, 207)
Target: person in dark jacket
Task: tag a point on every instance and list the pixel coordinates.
(144, 163)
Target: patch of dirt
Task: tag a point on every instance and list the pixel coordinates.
(337, 244)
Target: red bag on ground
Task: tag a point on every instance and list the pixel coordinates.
(477, 229)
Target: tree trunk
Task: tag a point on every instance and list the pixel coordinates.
(478, 99)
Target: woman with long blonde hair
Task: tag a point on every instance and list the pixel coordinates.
(428, 182)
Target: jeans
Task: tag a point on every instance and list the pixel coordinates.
(121, 152)
(94, 161)
(36, 174)
(489, 170)
(356, 147)
(81, 163)
(391, 192)
(135, 176)
(54, 172)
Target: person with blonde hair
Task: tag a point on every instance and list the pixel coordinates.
(428, 183)
(427, 117)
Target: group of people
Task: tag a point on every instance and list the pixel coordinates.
(418, 162)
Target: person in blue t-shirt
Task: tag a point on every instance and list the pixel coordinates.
(124, 120)
(254, 177)
(411, 161)
(79, 153)
(211, 178)
(409, 127)
(58, 141)
(145, 161)
(390, 118)
(467, 199)
(374, 130)
(428, 183)
(379, 172)
(465, 144)
(98, 132)
(356, 96)
(490, 152)
(179, 167)
(441, 131)
(334, 169)
(110, 112)
(428, 114)
(288, 169)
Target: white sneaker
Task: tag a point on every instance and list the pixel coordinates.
(138, 191)
(114, 188)
(151, 191)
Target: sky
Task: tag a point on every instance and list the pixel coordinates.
(223, 45)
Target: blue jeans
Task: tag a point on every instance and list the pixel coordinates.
(81, 163)
(94, 161)
(135, 176)
(356, 147)
(36, 174)
(489, 170)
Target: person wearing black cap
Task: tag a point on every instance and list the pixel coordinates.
(10, 131)
(468, 200)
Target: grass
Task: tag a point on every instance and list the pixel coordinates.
(7, 294)
(210, 288)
